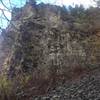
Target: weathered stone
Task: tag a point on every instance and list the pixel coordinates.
(38, 41)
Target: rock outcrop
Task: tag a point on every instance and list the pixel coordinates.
(46, 39)
(40, 38)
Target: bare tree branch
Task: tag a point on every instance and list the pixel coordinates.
(9, 20)
(5, 10)
(5, 6)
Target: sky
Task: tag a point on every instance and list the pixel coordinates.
(20, 3)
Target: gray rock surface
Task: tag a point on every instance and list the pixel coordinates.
(87, 88)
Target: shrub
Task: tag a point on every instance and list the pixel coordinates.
(6, 88)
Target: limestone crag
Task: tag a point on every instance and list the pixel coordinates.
(40, 38)
(49, 52)
(51, 40)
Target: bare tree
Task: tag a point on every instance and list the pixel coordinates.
(97, 2)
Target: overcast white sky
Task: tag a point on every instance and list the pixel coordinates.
(18, 3)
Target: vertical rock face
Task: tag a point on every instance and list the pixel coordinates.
(39, 39)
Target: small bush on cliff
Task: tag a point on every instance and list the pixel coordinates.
(6, 88)
(10, 89)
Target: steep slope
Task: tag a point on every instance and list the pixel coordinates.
(42, 39)
(51, 44)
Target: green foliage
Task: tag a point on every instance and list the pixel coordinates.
(6, 88)
(11, 88)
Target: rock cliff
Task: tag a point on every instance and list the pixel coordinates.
(47, 40)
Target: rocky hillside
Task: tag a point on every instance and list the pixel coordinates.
(52, 45)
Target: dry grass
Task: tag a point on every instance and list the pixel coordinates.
(23, 86)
